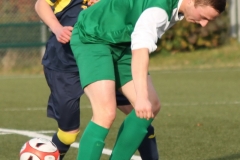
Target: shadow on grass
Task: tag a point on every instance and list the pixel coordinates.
(229, 157)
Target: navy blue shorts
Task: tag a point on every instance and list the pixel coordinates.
(64, 100)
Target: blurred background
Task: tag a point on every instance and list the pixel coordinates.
(195, 70)
(23, 37)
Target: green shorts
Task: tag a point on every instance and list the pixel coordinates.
(102, 62)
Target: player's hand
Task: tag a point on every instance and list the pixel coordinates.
(63, 34)
(143, 108)
(92, 2)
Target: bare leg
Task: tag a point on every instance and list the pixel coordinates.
(102, 97)
(134, 129)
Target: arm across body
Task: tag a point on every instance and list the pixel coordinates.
(140, 60)
(144, 39)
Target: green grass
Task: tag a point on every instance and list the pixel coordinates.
(226, 56)
(199, 119)
(199, 92)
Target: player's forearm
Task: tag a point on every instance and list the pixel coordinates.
(45, 12)
(140, 60)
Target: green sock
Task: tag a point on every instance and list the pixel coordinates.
(92, 142)
(130, 136)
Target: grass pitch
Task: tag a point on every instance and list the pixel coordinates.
(199, 119)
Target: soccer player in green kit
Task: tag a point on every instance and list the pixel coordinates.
(62, 76)
(111, 43)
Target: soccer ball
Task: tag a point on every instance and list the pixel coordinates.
(39, 149)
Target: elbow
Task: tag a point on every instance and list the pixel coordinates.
(37, 6)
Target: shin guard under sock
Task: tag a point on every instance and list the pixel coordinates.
(92, 142)
(131, 134)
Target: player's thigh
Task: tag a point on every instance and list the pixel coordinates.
(94, 62)
(96, 67)
(129, 91)
(64, 99)
(123, 70)
(102, 97)
(125, 83)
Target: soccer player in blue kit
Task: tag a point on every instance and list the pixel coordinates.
(62, 76)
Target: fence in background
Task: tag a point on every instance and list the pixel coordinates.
(234, 9)
(23, 36)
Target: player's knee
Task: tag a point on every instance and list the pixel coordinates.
(110, 117)
(156, 106)
(67, 137)
(127, 108)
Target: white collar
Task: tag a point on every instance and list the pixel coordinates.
(176, 15)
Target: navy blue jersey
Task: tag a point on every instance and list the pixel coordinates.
(59, 56)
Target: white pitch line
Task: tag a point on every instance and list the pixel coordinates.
(197, 70)
(49, 131)
(201, 103)
(5, 133)
(21, 77)
(35, 134)
(31, 109)
(25, 109)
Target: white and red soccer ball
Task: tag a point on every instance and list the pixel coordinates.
(39, 149)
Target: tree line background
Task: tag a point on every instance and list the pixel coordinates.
(22, 40)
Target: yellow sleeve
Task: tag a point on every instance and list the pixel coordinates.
(59, 5)
(51, 2)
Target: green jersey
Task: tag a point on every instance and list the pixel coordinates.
(114, 21)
